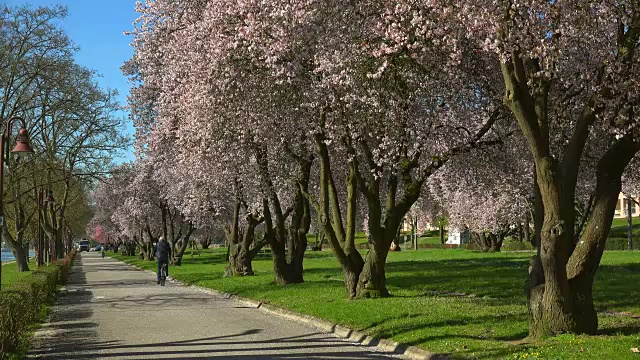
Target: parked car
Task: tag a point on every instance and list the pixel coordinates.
(97, 248)
(83, 245)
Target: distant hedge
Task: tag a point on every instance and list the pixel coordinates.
(619, 243)
(21, 302)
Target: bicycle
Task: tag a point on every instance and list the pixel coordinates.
(163, 273)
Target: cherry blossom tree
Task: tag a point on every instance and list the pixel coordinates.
(567, 70)
(106, 199)
(284, 90)
(187, 111)
(398, 123)
(487, 193)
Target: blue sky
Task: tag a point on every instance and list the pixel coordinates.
(97, 27)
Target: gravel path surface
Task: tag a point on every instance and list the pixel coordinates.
(112, 311)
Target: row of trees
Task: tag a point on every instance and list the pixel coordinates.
(270, 114)
(73, 129)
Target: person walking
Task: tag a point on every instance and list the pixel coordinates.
(163, 251)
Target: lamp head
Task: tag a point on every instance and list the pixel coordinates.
(22, 147)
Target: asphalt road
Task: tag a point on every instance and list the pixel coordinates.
(112, 311)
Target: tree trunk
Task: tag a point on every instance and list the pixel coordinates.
(520, 232)
(351, 271)
(285, 273)
(372, 279)
(551, 306)
(240, 253)
(239, 264)
(177, 258)
(17, 248)
(395, 245)
(148, 251)
(22, 257)
(538, 211)
(320, 238)
(527, 230)
(339, 235)
(235, 247)
(484, 242)
(496, 242)
(130, 247)
(441, 230)
(287, 246)
(205, 243)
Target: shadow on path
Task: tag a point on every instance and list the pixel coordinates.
(111, 311)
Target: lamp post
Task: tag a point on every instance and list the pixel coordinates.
(40, 249)
(22, 148)
(49, 200)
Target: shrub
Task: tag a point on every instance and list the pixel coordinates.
(512, 245)
(21, 302)
(619, 243)
(472, 246)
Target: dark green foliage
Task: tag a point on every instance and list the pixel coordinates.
(21, 302)
(618, 243)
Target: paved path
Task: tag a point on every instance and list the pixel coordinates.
(112, 311)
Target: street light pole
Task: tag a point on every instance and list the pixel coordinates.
(22, 147)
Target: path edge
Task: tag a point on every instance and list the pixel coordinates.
(407, 351)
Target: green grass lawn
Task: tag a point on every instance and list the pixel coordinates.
(10, 272)
(468, 304)
(619, 227)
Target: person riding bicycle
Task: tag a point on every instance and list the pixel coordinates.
(163, 251)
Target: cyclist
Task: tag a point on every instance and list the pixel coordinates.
(163, 251)
(102, 249)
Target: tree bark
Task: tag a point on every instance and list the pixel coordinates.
(497, 241)
(130, 248)
(339, 235)
(553, 301)
(527, 230)
(559, 287)
(22, 258)
(205, 243)
(520, 232)
(241, 254)
(179, 254)
(395, 245)
(16, 245)
(441, 231)
(372, 279)
(287, 245)
(538, 212)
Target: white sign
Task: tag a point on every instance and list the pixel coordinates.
(457, 237)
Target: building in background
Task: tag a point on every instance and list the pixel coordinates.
(622, 206)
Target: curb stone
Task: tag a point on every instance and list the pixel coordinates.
(408, 352)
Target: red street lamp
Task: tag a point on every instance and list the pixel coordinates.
(22, 148)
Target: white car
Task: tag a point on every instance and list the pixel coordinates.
(84, 245)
